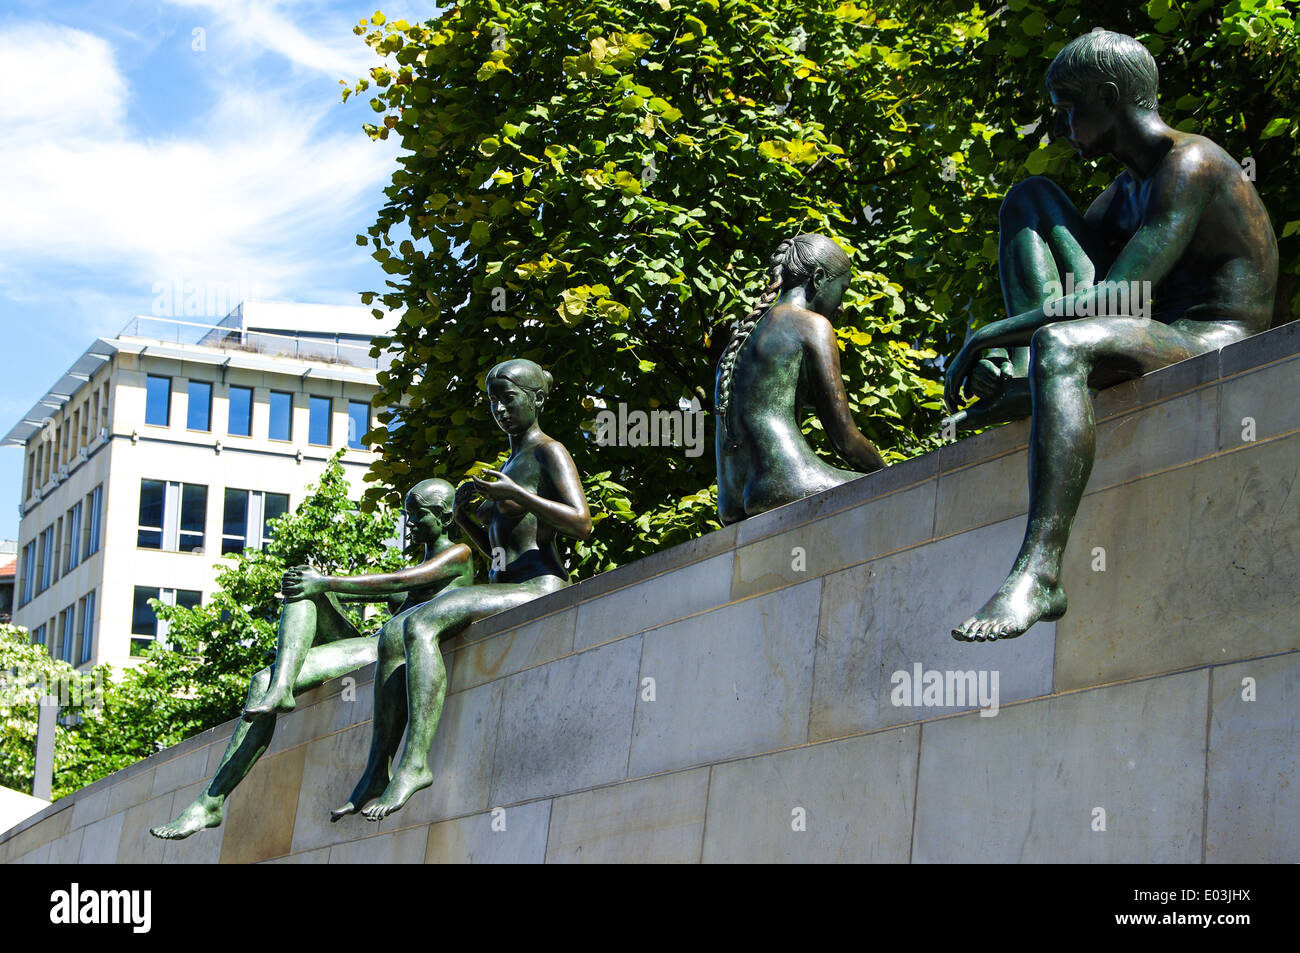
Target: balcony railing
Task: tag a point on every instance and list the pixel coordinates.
(301, 346)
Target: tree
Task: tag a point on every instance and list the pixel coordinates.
(597, 185)
(28, 674)
(199, 679)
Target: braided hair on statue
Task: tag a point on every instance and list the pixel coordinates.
(794, 261)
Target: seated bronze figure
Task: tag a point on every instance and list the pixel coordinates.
(536, 496)
(318, 642)
(782, 359)
(1175, 258)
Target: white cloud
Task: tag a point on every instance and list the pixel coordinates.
(264, 24)
(241, 200)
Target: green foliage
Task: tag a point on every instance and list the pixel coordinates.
(200, 678)
(27, 674)
(597, 186)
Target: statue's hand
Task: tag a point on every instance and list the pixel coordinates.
(955, 376)
(988, 379)
(464, 498)
(303, 582)
(502, 488)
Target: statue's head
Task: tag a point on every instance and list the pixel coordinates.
(818, 263)
(1092, 80)
(517, 389)
(428, 509)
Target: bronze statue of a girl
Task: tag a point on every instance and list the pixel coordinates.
(533, 498)
(782, 359)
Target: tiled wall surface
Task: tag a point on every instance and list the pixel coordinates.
(730, 699)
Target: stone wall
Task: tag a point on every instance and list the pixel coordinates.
(1168, 698)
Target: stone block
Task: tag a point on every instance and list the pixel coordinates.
(400, 847)
(743, 672)
(100, 840)
(137, 845)
(1156, 437)
(884, 525)
(558, 733)
(179, 772)
(694, 588)
(461, 759)
(1254, 764)
(898, 612)
(505, 653)
(515, 835)
(331, 769)
(1201, 564)
(986, 492)
(653, 821)
(847, 801)
(260, 813)
(1251, 407)
(1026, 786)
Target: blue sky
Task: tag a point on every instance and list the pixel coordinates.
(173, 142)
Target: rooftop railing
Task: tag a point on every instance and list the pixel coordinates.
(301, 346)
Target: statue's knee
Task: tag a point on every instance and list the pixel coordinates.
(1054, 348)
(420, 631)
(1026, 199)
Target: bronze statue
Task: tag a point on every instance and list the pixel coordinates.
(537, 495)
(1175, 258)
(782, 359)
(318, 642)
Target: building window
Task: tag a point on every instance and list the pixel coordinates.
(87, 628)
(46, 560)
(153, 494)
(248, 516)
(281, 423)
(198, 415)
(358, 423)
(173, 516)
(318, 421)
(146, 627)
(94, 506)
(144, 623)
(241, 412)
(67, 632)
(38, 635)
(72, 539)
(158, 401)
(57, 562)
(29, 572)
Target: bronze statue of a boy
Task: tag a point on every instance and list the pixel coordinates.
(1177, 257)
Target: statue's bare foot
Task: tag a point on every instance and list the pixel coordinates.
(274, 702)
(1023, 600)
(200, 814)
(399, 791)
(371, 785)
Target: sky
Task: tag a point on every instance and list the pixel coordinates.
(154, 145)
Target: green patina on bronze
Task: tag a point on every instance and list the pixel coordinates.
(536, 496)
(1182, 227)
(317, 641)
(783, 359)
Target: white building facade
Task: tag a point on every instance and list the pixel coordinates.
(168, 446)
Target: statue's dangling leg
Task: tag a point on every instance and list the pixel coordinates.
(389, 717)
(426, 675)
(250, 738)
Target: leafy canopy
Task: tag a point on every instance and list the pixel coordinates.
(597, 186)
